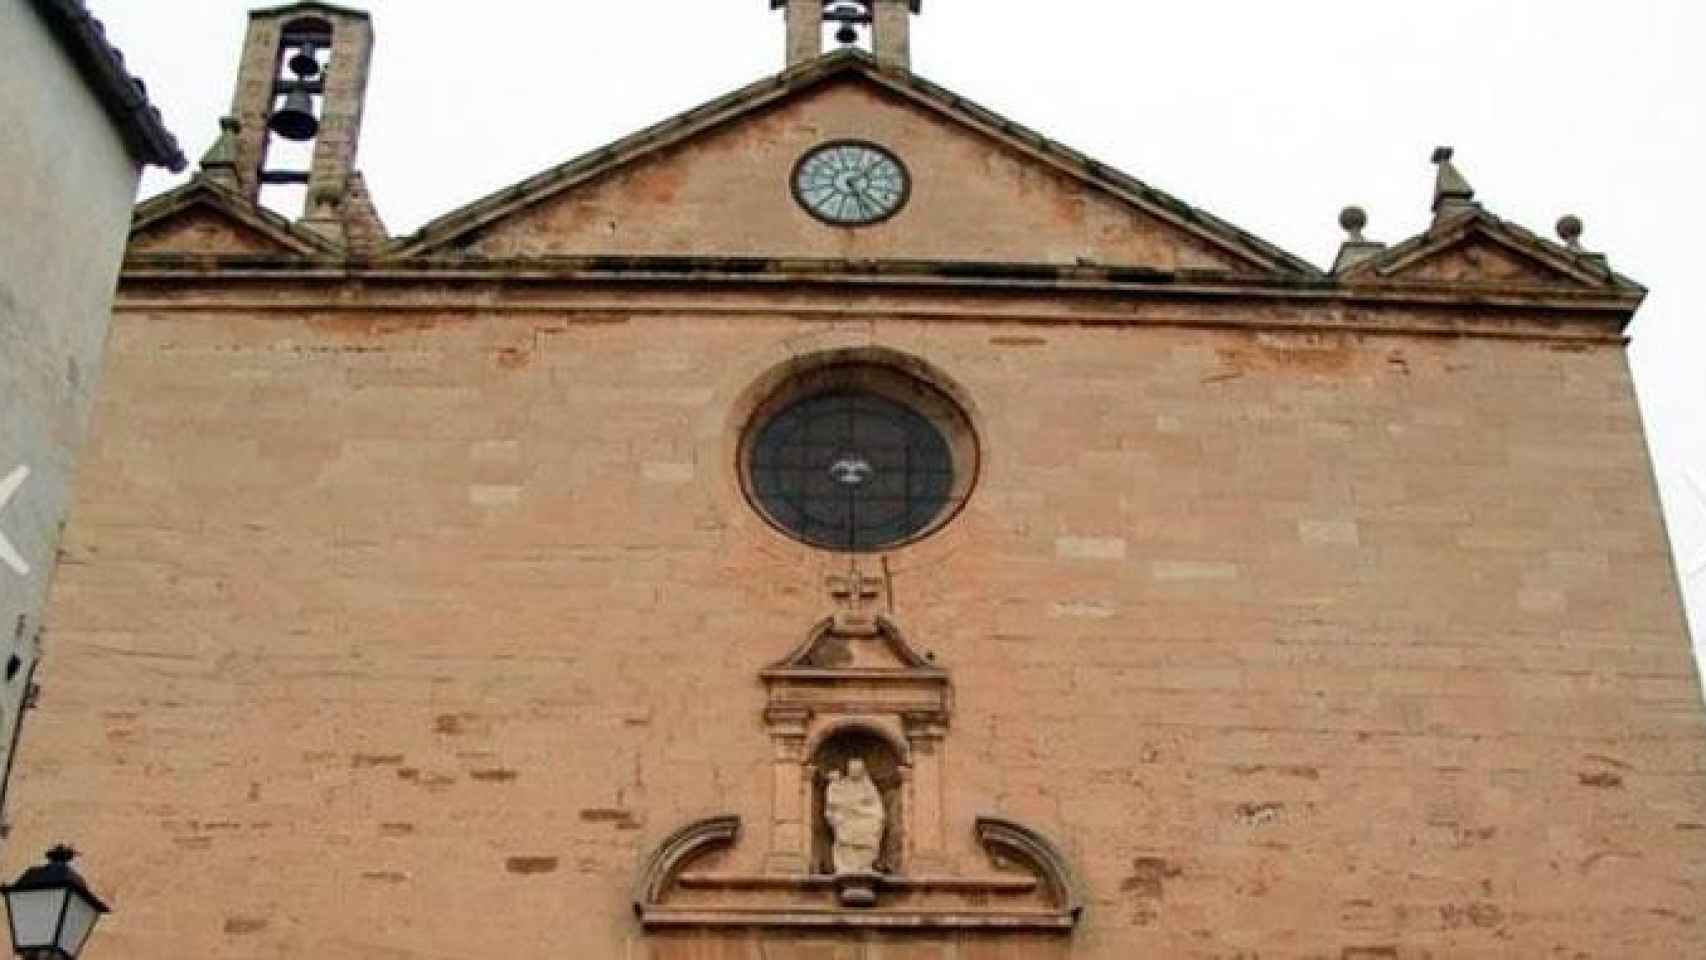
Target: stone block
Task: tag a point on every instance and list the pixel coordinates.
(1090, 548)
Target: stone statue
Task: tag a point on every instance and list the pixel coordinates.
(853, 807)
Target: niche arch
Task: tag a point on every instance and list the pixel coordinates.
(311, 27)
(894, 740)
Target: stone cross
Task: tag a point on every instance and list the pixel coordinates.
(856, 595)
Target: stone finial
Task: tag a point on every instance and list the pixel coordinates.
(1356, 247)
(1570, 230)
(1353, 220)
(219, 164)
(1452, 192)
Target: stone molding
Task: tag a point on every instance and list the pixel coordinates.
(1032, 292)
(676, 851)
(997, 834)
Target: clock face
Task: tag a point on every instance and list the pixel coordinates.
(850, 183)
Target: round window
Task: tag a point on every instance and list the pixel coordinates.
(858, 459)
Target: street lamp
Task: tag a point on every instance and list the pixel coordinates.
(52, 909)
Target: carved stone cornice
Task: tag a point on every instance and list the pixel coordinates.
(872, 674)
(596, 290)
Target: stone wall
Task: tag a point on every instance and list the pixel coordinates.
(403, 622)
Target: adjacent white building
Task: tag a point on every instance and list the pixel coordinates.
(78, 131)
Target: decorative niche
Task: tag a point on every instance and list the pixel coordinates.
(856, 835)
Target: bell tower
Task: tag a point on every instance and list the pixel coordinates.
(301, 87)
(888, 22)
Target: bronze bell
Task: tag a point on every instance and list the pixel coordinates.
(295, 120)
(305, 64)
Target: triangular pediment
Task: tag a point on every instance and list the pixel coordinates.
(1477, 249)
(201, 217)
(716, 181)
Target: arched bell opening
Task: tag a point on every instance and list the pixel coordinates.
(887, 770)
(296, 111)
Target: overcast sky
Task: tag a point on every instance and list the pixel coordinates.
(1272, 115)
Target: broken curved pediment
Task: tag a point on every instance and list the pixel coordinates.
(680, 848)
(1029, 886)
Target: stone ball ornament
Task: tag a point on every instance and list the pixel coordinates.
(1353, 220)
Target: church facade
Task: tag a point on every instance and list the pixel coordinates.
(840, 522)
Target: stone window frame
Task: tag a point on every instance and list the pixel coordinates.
(891, 382)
